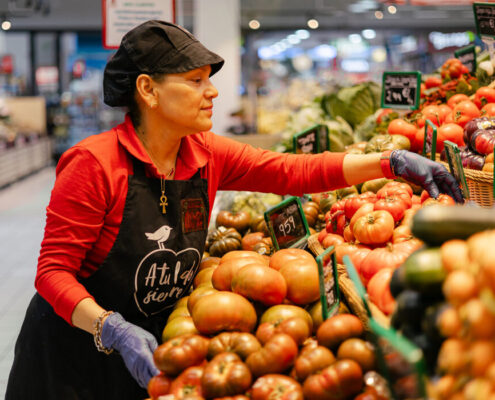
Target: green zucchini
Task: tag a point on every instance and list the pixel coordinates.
(437, 224)
(424, 272)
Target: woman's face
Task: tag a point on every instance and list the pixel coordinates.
(186, 100)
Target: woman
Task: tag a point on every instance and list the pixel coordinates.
(117, 253)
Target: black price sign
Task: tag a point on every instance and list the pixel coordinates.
(401, 90)
(455, 164)
(311, 141)
(467, 56)
(287, 224)
(484, 15)
(329, 283)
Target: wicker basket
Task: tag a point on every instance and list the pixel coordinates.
(348, 291)
(480, 185)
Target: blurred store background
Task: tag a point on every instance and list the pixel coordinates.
(281, 55)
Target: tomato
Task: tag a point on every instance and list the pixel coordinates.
(311, 360)
(394, 205)
(374, 228)
(179, 312)
(276, 314)
(443, 111)
(321, 236)
(281, 257)
(401, 234)
(208, 262)
(276, 387)
(177, 354)
(483, 96)
(488, 110)
(356, 253)
(274, 357)
(188, 384)
(379, 290)
(225, 375)
(379, 258)
(383, 113)
(422, 89)
(348, 235)
(452, 69)
(337, 223)
(464, 112)
(297, 328)
(417, 142)
(408, 246)
(332, 239)
(159, 385)
(432, 113)
(223, 311)
(451, 132)
(352, 205)
(303, 285)
(443, 198)
(236, 254)
(456, 98)
(240, 343)
(483, 141)
(454, 254)
(398, 192)
(239, 221)
(337, 206)
(401, 185)
(433, 81)
(260, 283)
(338, 328)
(177, 327)
(339, 381)
(196, 294)
(203, 277)
(222, 276)
(400, 127)
(251, 239)
(360, 351)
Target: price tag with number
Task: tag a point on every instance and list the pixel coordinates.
(287, 224)
(401, 90)
(329, 282)
(429, 124)
(311, 141)
(467, 56)
(484, 15)
(455, 164)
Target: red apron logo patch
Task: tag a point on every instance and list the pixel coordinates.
(193, 215)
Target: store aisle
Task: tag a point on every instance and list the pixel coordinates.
(22, 220)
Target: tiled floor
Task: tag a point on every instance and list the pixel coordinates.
(22, 220)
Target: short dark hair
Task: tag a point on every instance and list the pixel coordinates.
(132, 106)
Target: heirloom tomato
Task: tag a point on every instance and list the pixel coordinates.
(275, 356)
(356, 252)
(379, 290)
(352, 205)
(159, 385)
(249, 240)
(222, 275)
(399, 185)
(394, 205)
(451, 132)
(260, 283)
(236, 254)
(196, 294)
(483, 96)
(223, 311)
(209, 262)
(488, 110)
(239, 221)
(188, 384)
(332, 239)
(400, 127)
(362, 211)
(374, 228)
(276, 387)
(396, 191)
(339, 381)
(433, 81)
(336, 223)
(281, 257)
(338, 328)
(177, 354)
(303, 285)
(452, 69)
(456, 99)
(310, 361)
(225, 375)
(240, 343)
(384, 112)
(297, 328)
(379, 258)
(177, 327)
(281, 312)
(464, 112)
(358, 350)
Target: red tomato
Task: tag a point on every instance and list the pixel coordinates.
(417, 142)
(451, 132)
(363, 210)
(337, 223)
(465, 111)
(356, 252)
(488, 110)
(393, 205)
(382, 114)
(379, 290)
(400, 127)
(443, 198)
(353, 204)
(332, 239)
(399, 192)
(188, 383)
(275, 386)
(303, 285)
(159, 385)
(401, 185)
(321, 236)
(422, 90)
(382, 257)
(452, 69)
(433, 81)
(374, 228)
(297, 328)
(455, 99)
(281, 257)
(431, 113)
(443, 111)
(483, 96)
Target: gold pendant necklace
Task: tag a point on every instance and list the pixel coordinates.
(163, 198)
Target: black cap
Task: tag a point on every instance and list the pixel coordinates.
(153, 47)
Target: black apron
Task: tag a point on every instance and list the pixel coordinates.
(150, 266)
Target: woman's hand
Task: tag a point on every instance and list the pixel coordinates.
(134, 344)
(426, 173)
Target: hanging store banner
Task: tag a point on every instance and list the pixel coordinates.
(120, 16)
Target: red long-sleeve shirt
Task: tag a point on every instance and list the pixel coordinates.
(87, 201)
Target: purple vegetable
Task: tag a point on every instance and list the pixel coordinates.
(471, 159)
(475, 124)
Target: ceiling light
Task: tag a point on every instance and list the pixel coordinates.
(254, 24)
(355, 38)
(392, 9)
(303, 34)
(369, 34)
(378, 15)
(293, 39)
(6, 25)
(313, 23)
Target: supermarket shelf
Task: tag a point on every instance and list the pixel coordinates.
(19, 162)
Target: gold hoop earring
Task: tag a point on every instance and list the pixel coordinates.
(153, 105)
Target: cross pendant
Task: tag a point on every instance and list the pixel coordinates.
(163, 203)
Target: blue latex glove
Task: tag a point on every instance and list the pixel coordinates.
(421, 171)
(134, 344)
